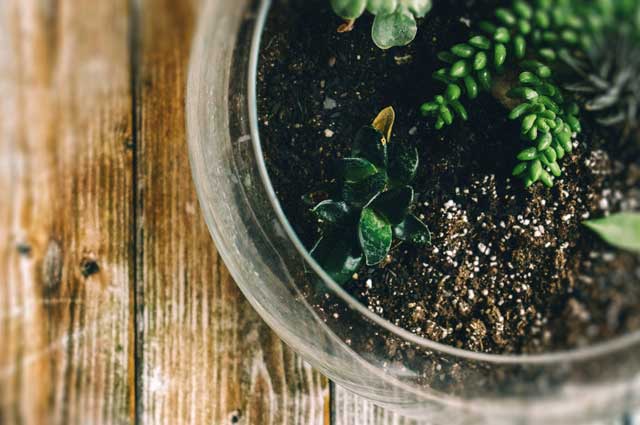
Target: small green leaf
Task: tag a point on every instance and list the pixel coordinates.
(555, 169)
(393, 204)
(462, 50)
(484, 78)
(419, 8)
(413, 230)
(446, 115)
(447, 57)
(544, 141)
(356, 169)
(459, 69)
(338, 255)
(375, 235)
(546, 179)
(371, 144)
(518, 111)
(453, 92)
(499, 55)
(381, 7)
(506, 17)
(348, 9)
(520, 168)
(621, 230)
(480, 61)
(459, 109)
(523, 9)
(502, 35)
(527, 154)
(527, 123)
(332, 212)
(535, 170)
(519, 46)
(403, 163)
(480, 42)
(471, 86)
(360, 193)
(395, 29)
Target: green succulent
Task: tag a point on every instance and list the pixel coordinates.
(395, 20)
(371, 204)
(606, 72)
(524, 40)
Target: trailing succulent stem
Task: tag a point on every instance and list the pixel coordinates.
(394, 23)
(528, 40)
(370, 204)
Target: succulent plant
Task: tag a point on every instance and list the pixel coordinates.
(394, 23)
(606, 72)
(524, 40)
(371, 203)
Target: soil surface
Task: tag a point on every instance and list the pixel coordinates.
(510, 270)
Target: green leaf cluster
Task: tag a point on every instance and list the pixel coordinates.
(371, 203)
(395, 20)
(526, 39)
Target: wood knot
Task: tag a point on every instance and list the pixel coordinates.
(235, 416)
(88, 267)
(24, 249)
(52, 266)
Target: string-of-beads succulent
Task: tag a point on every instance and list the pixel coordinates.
(526, 40)
(370, 205)
(395, 20)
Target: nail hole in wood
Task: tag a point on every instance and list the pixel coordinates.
(234, 417)
(89, 267)
(23, 249)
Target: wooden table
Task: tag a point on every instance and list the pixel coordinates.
(114, 306)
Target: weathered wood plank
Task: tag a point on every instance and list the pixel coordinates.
(204, 357)
(65, 212)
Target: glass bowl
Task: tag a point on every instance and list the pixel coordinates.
(353, 346)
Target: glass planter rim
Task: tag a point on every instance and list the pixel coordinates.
(578, 354)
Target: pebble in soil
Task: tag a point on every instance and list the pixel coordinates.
(510, 270)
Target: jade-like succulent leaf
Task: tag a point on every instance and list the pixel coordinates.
(419, 8)
(333, 212)
(393, 204)
(348, 9)
(356, 169)
(403, 163)
(371, 144)
(413, 230)
(375, 235)
(620, 230)
(381, 7)
(384, 122)
(338, 255)
(395, 29)
(360, 193)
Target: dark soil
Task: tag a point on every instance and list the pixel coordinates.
(510, 270)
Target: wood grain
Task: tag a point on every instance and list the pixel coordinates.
(204, 355)
(65, 212)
